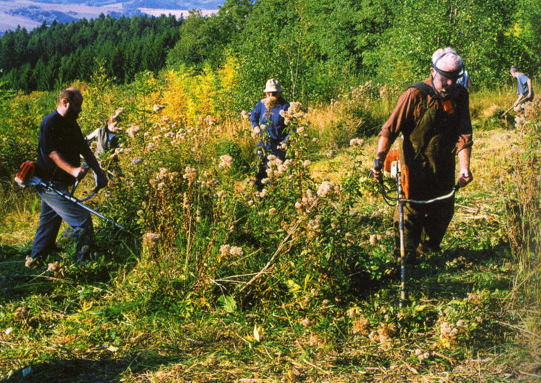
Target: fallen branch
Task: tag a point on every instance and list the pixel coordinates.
(232, 277)
(528, 374)
(519, 329)
(317, 367)
(469, 209)
(278, 250)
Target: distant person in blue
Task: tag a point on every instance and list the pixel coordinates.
(270, 125)
(524, 86)
(465, 80)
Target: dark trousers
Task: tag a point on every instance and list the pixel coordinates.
(262, 158)
(54, 209)
(424, 224)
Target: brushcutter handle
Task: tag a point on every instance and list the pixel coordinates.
(98, 186)
(89, 196)
(99, 180)
(508, 110)
(377, 170)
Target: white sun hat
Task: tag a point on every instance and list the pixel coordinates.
(273, 86)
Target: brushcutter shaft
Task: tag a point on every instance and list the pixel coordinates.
(402, 248)
(507, 111)
(38, 181)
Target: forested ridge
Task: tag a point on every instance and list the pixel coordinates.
(316, 48)
(48, 57)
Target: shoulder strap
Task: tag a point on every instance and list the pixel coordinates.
(425, 89)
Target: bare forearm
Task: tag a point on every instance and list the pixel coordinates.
(464, 158)
(64, 165)
(465, 175)
(384, 144)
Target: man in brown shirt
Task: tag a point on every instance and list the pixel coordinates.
(433, 120)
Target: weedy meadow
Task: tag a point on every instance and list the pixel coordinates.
(215, 280)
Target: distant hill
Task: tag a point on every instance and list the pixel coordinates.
(154, 4)
(37, 14)
(28, 14)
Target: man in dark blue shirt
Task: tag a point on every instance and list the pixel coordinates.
(270, 125)
(61, 145)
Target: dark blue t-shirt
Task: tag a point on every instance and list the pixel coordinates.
(65, 137)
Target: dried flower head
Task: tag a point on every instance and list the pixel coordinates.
(190, 174)
(325, 189)
(226, 162)
(356, 142)
(228, 250)
(151, 239)
(361, 326)
(132, 130)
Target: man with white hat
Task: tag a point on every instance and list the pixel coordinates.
(433, 120)
(270, 125)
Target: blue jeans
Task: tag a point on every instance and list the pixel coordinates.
(54, 209)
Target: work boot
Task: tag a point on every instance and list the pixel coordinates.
(67, 234)
(83, 253)
(84, 239)
(411, 257)
(424, 249)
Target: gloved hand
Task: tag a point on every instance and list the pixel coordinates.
(101, 180)
(377, 170)
(377, 173)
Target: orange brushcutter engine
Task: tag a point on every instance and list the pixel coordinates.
(392, 165)
(26, 171)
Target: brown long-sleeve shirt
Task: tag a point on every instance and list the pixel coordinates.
(408, 112)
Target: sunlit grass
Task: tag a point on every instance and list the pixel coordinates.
(312, 294)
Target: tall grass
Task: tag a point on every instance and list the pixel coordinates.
(312, 257)
(16, 206)
(523, 213)
(360, 112)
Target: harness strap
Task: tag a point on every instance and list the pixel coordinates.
(426, 89)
